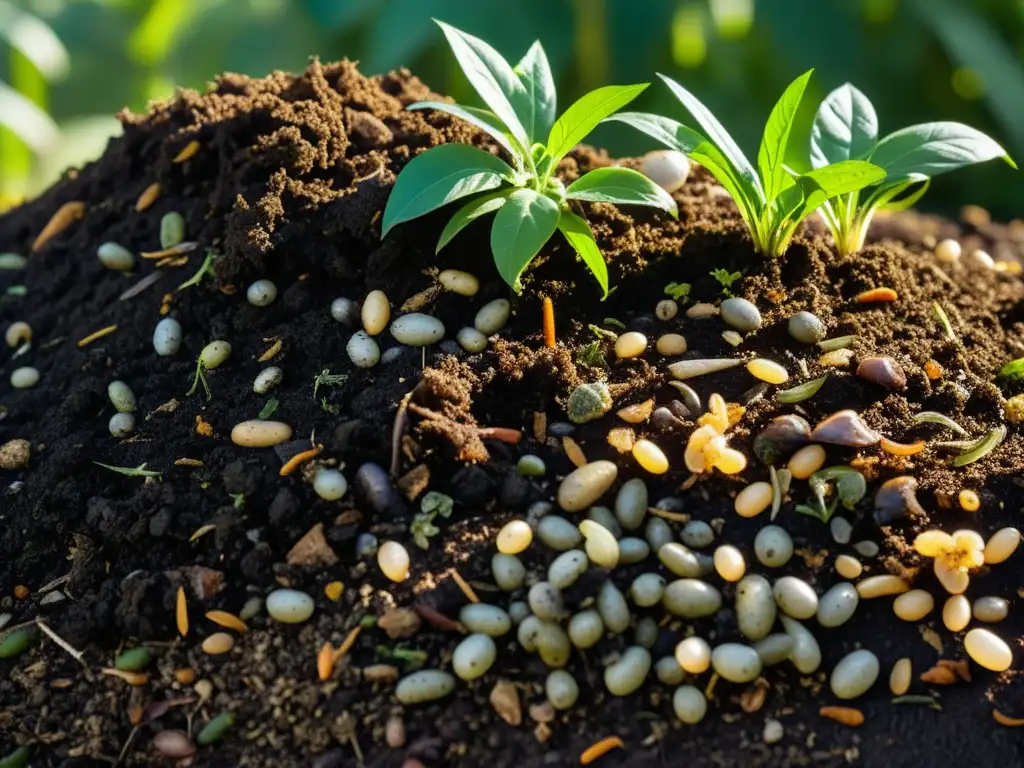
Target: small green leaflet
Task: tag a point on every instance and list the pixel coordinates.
(581, 238)
(269, 408)
(520, 229)
(584, 115)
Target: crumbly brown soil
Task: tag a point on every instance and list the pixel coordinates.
(289, 184)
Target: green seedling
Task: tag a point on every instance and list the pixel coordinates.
(591, 355)
(849, 486)
(772, 201)
(327, 379)
(432, 505)
(846, 129)
(678, 291)
(139, 471)
(200, 377)
(206, 268)
(725, 278)
(269, 408)
(530, 203)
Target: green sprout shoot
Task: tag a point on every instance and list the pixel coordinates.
(206, 268)
(139, 471)
(725, 278)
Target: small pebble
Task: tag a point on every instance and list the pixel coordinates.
(630, 344)
(854, 674)
(172, 230)
(754, 499)
(729, 563)
(260, 434)
(459, 282)
(849, 567)
(492, 316)
(218, 643)
(585, 485)
(121, 424)
(267, 380)
(329, 483)
(514, 537)
(689, 704)
(417, 330)
(471, 340)
(767, 371)
(991, 609)
(773, 731)
(948, 251)
(18, 333)
(393, 560)
(121, 397)
(740, 314)
(841, 530)
(362, 350)
(24, 378)
(424, 685)
(670, 344)
(262, 293)
(15, 454)
(375, 313)
(474, 656)
(174, 744)
(117, 257)
(806, 328)
(736, 663)
(667, 168)
(167, 337)
(694, 655)
(289, 606)
(988, 650)
(345, 311)
(773, 546)
(883, 371)
(666, 310)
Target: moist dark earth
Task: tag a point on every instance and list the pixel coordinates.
(289, 182)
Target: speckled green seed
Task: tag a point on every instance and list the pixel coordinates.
(606, 519)
(755, 607)
(215, 729)
(631, 504)
(612, 606)
(854, 674)
(16, 643)
(658, 533)
(588, 402)
(697, 534)
(424, 685)
(646, 632)
(774, 649)
(647, 589)
(837, 605)
(684, 562)
(553, 644)
(545, 601)
(633, 550)
(172, 229)
(485, 619)
(691, 599)
(121, 396)
(741, 314)
(689, 704)
(736, 662)
(474, 656)
(133, 660)
(773, 546)
(508, 570)
(806, 328)
(586, 629)
(531, 466)
(668, 671)
(214, 354)
(567, 568)
(558, 533)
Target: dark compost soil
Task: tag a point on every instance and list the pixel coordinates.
(288, 184)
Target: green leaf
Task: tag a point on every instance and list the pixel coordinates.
(822, 184)
(440, 175)
(845, 128)
(469, 213)
(584, 115)
(621, 185)
(581, 238)
(934, 148)
(772, 154)
(717, 134)
(522, 226)
(481, 118)
(491, 77)
(886, 197)
(534, 73)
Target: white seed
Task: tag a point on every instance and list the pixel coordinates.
(633, 550)
(514, 537)
(849, 567)
(866, 548)
(260, 434)
(329, 483)
(545, 601)
(492, 316)
(114, 256)
(417, 329)
(773, 546)
(474, 656)
(18, 333)
(948, 251)
(12, 261)
(471, 340)
(121, 397)
(631, 504)
(841, 529)
(345, 311)
(121, 424)
(561, 689)
(630, 344)
(612, 606)
(688, 369)
(837, 605)
(736, 662)
(754, 499)
(375, 313)
(583, 486)
(806, 461)
(991, 609)
(509, 571)
(24, 378)
(913, 605)
(459, 282)
(755, 607)
(485, 619)
(774, 649)
(729, 563)
(606, 519)
(694, 655)
(629, 672)
(601, 546)
(900, 677)
(767, 371)
(553, 644)
(267, 380)
(567, 568)
(881, 586)
(214, 354)
(698, 534)
(983, 259)
(658, 533)
(691, 598)
(289, 606)
(956, 613)
(586, 629)
(682, 561)
(362, 350)
(167, 337)
(988, 650)
(668, 671)
(424, 685)
(1002, 544)
(670, 344)
(854, 674)
(773, 731)
(796, 597)
(649, 456)
(806, 653)
(393, 560)
(667, 168)
(647, 589)
(262, 293)
(666, 309)
(558, 533)
(527, 631)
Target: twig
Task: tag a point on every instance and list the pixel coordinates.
(398, 430)
(64, 644)
(127, 744)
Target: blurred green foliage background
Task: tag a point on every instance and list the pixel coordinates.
(66, 66)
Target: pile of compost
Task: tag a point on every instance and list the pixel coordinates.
(285, 178)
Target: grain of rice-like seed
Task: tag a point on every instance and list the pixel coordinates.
(729, 563)
(956, 613)
(900, 677)
(754, 499)
(806, 461)
(913, 605)
(650, 457)
(988, 649)
(848, 567)
(630, 344)
(881, 586)
(767, 371)
(1001, 546)
(694, 655)
(393, 560)
(514, 537)
(969, 501)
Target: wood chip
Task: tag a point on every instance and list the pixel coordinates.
(414, 482)
(464, 586)
(312, 550)
(960, 667)
(939, 675)
(505, 700)
(637, 413)
(931, 637)
(437, 620)
(299, 458)
(271, 351)
(1009, 722)
(203, 427)
(417, 301)
(97, 335)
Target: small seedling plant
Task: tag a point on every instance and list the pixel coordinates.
(846, 128)
(772, 201)
(528, 201)
(725, 279)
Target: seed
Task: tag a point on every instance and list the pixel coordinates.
(474, 656)
(601, 546)
(650, 457)
(218, 643)
(740, 314)
(628, 673)
(848, 567)
(806, 653)
(969, 500)
(17, 334)
(773, 546)
(12, 261)
(17, 642)
(837, 605)
(796, 597)
(691, 599)
(881, 586)
(345, 311)
(24, 378)
(631, 502)
(866, 548)
(567, 568)
(766, 370)
(267, 380)
(459, 282)
(729, 563)
(696, 533)
(215, 729)
(755, 607)
(362, 350)
(393, 560)
(289, 606)
(260, 434)
(375, 313)
(121, 396)
(948, 251)
(173, 744)
(471, 340)
(806, 328)
(845, 715)
(133, 660)
(553, 645)
(167, 337)
(636, 413)
(845, 428)
(956, 613)
(121, 424)
(667, 168)
(583, 486)
(417, 330)
(561, 689)
(754, 499)
(630, 344)
(658, 533)
(774, 649)
(689, 704)
(424, 685)
(586, 629)
(527, 631)
(854, 674)
(545, 601)
(329, 484)
(492, 316)
(736, 662)
(688, 369)
(1002, 544)
(262, 293)
(684, 562)
(666, 310)
(991, 609)
(647, 589)
(214, 354)
(694, 655)
(780, 436)
(988, 650)
(806, 461)
(983, 259)
(614, 610)
(558, 533)
(509, 571)
(913, 605)
(114, 256)
(633, 550)
(883, 371)
(172, 230)
(668, 671)
(900, 677)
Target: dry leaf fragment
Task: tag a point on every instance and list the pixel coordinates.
(399, 622)
(312, 550)
(505, 700)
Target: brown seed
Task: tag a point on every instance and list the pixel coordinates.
(148, 197)
(845, 715)
(505, 700)
(185, 676)
(845, 428)
(181, 612)
(218, 643)
(782, 435)
(437, 620)
(752, 699)
(380, 673)
(394, 732)
(399, 622)
(14, 454)
(187, 152)
(573, 451)
(65, 216)
(173, 744)
(543, 712)
(883, 371)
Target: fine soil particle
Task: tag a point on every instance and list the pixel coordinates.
(288, 184)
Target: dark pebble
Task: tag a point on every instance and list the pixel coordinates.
(515, 491)
(241, 478)
(680, 410)
(671, 504)
(283, 507)
(664, 420)
(375, 485)
(782, 435)
(160, 523)
(472, 486)
(896, 499)
(335, 758)
(256, 564)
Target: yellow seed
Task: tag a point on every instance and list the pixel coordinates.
(630, 344)
(601, 546)
(1002, 544)
(848, 567)
(956, 613)
(459, 282)
(376, 312)
(754, 499)
(636, 413)
(333, 591)
(671, 344)
(806, 461)
(766, 370)
(185, 675)
(148, 196)
(650, 457)
(393, 560)
(229, 620)
(187, 152)
(969, 501)
(730, 461)
(988, 649)
(574, 452)
(729, 563)
(18, 333)
(217, 643)
(514, 537)
(881, 586)
(899, 678)
(913, 605)
(181, 612)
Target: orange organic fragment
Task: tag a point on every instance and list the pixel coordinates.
(573, 451)
(65, 216)
(939, 675)
(347, 643)
(21, 591)
(933, 370)
(132, 678)
(876, 295)
(300, 458)
(902, 449)
(177, 250)
(148, 197)
(229, 620)
(272, 350)
(1009, 722)
(501, 434)
(203, 427)
(325, 661)
(187, 152)
(181, 612)
(549, 323)
(600, 749)
(333, 591)
(185, 675)
(845, 715)
(97, 335)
